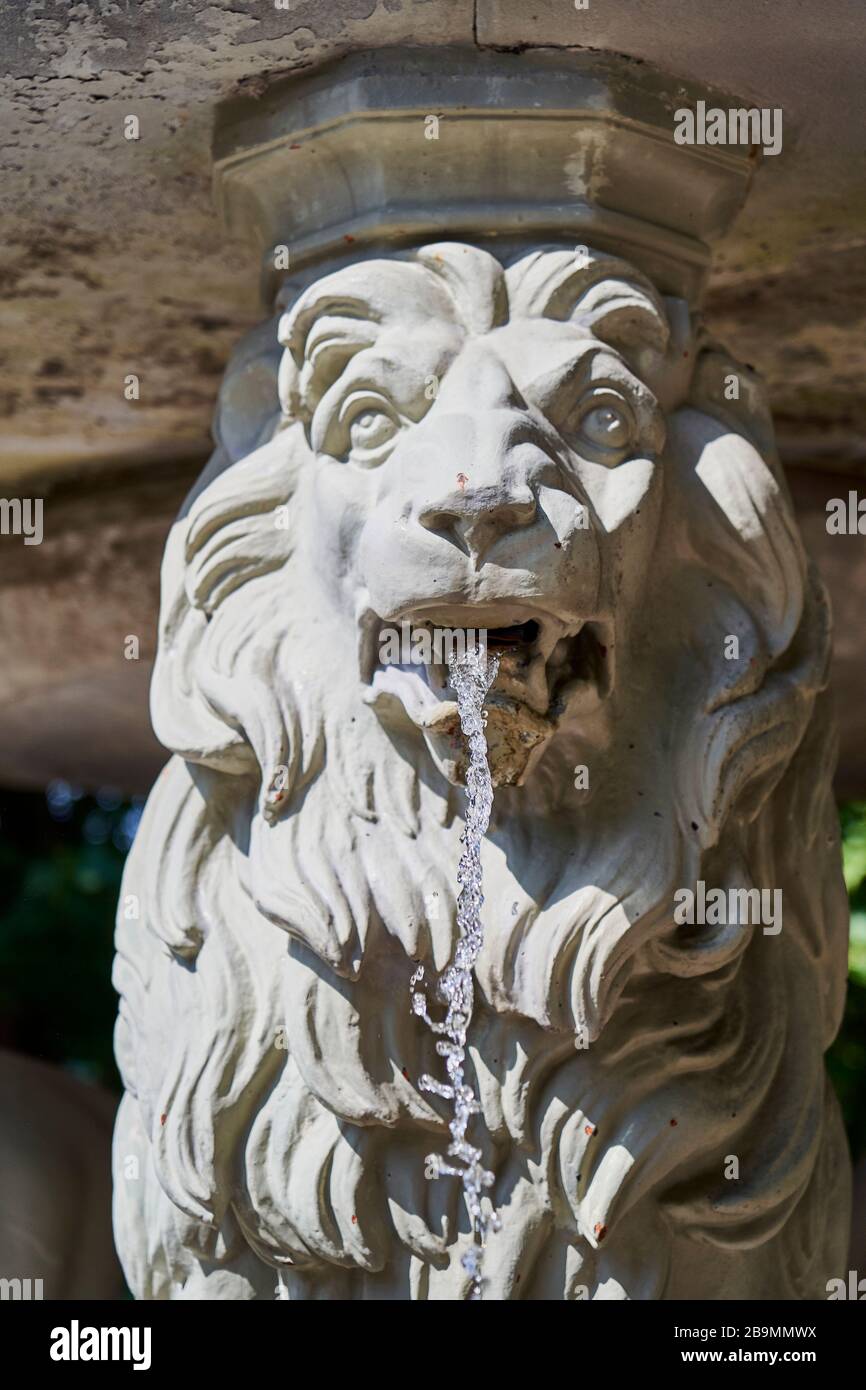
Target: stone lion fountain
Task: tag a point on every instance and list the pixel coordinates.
(486, 401)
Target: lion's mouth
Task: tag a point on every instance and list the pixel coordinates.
(545, 670)
(545, 663)
(549, 668)
(514, 637)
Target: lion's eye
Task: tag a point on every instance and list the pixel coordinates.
(607, 427)
(370, 429)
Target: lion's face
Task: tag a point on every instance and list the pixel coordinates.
(544, 451)
(495, 470)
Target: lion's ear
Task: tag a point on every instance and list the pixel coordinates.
(734, 395)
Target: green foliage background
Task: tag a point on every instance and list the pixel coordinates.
(846, 1059)
(61, 860)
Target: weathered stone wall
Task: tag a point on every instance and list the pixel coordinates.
(112, 262)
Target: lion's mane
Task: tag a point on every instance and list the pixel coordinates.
(273, 1127)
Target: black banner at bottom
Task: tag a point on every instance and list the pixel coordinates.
(79, 1339)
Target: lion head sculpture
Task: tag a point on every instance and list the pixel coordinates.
(553, 452)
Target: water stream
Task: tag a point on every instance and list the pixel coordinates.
(471, 677)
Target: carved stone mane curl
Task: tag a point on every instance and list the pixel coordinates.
(264, 1036)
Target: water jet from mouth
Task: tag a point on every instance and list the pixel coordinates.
(471, 676)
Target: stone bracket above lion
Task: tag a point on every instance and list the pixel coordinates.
(526, 148)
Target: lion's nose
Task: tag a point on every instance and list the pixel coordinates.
(485, 456)
(473, 518)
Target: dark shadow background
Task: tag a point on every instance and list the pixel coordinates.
(61, 860)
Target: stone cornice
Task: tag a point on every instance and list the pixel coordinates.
(530, 146)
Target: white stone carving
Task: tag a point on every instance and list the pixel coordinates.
(581, 466)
